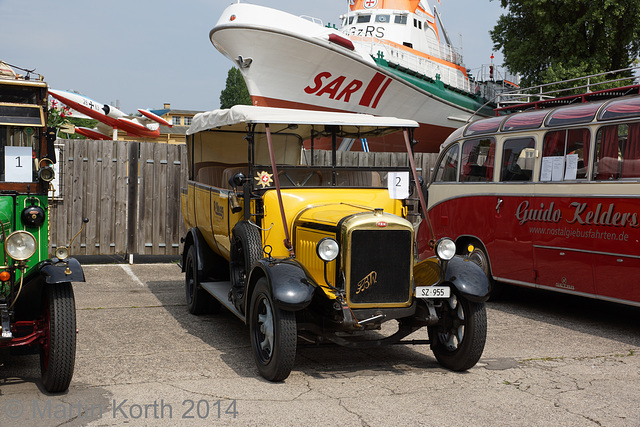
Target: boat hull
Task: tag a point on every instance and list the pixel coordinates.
(299, 69)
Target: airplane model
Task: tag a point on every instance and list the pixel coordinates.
(147, 126)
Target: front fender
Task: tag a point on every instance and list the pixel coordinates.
(56, 271)
(291, 287)
(468, 278)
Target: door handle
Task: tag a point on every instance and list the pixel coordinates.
(498, 205)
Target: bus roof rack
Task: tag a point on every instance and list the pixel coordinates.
(588, 89)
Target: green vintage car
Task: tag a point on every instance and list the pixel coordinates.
(37, 308)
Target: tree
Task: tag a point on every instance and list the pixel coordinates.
(236, 92)
(551, 40)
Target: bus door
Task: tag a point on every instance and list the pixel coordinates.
(512, 253)
(563, 259)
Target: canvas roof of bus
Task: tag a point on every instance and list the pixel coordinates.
(303, 123)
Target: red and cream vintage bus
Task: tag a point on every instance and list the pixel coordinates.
(548, 198)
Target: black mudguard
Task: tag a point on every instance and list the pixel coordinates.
(468, 278)
(291, 287)
(203, 252)
(55, 271)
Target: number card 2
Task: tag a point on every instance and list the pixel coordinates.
(18, 166)
(398, 184)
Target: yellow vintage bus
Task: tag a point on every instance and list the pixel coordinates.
(327, 253)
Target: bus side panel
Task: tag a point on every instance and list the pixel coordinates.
(512, 250)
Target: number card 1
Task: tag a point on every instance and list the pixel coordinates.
(18, 166)
(398, 184)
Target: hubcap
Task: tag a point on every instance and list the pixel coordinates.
(452, 332)
(265, 322)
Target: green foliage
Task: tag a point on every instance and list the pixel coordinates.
(60, 116)
(236, 92)
(550, 40)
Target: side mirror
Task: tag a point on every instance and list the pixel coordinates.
(237, 180)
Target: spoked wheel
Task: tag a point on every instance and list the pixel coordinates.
(246, 248)
(273, 334)
(58, 351)
(198, 300)
(457, 341)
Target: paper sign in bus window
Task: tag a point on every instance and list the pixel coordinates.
(571, 170)
(18, 165)
(398, 184)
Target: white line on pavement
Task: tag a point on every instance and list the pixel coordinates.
(131, 274)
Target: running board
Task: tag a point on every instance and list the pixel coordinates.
(220, 291)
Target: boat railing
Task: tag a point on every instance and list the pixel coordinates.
(420, 65)
(584, 84)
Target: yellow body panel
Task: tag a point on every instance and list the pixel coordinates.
(296, 200)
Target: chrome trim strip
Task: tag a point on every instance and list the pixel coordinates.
(586, 251)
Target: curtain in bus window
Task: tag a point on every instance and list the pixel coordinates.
(631, 162)
(554, 144)
(607, 161)
(490, 161)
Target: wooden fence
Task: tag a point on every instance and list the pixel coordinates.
(142, 215)
(130, 191)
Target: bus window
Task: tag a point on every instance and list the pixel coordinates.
(563, 155)
(518, 156)
(617, 152)
(478, 156)
(448, 167)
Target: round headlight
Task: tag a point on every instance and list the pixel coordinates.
(20, 245)
(327, 249)
(445, 249)
(62, 253)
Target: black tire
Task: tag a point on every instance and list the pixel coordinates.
(479, 257)
(458, 340)
(58, 352)
(273, 334)
(246, 249)
(198, 300)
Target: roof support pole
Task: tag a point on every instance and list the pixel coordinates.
(276, 180)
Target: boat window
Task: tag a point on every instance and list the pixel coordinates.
(478, 156)
(520, 121)
(617, 152)
(563, 155)
(400, 19)
(383, 18)
(364, 19)
(621, 108)
(351, 20)
(420, 25)
(448, 167)
(573, 115)
(518, 158)
(415, 22)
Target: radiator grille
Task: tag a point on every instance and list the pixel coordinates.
(380, 267)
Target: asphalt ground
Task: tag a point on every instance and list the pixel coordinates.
(142, 359)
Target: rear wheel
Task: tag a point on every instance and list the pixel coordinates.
(273, 334)
(58, 351)
(198, 300)
(246, 249)
(457, 341)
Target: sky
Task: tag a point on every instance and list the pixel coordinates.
(145, 53)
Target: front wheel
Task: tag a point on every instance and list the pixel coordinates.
(273, 334)
(457, 341)
(58, 351)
